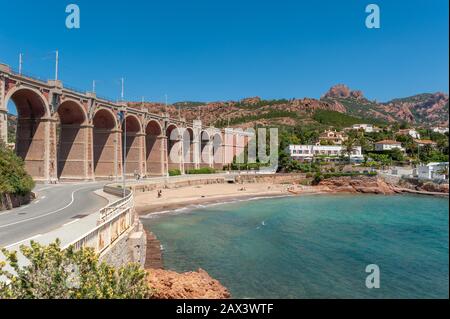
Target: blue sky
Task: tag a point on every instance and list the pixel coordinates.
(206, 50)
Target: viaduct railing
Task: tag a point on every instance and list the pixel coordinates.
(115, 219)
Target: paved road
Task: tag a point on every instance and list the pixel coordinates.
(55, 206)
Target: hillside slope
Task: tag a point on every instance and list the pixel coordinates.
(427, 110)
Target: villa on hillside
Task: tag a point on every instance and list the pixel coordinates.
(411, 132)
(307, 153)
(368, 128)
(387, 145)
(441, 130)
(331, 138)
(425, 142)
(434, 170)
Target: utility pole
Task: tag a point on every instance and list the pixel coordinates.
(93, 86)
(122, 92)
(20, 63)
(124, 151)
(56, 65)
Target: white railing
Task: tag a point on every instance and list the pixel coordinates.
(112, 208)
(115, 219)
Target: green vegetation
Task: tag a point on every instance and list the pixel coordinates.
(203, 170)
(340, 120)
(13, 177)
(261, 103)
(174, 172)
(362, 108)
(321, 176)
(271, 114)
(53, 273)
(188, 104)
(12, 127)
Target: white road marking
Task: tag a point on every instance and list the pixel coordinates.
(73, 221)
(19, 242)
(47, 214)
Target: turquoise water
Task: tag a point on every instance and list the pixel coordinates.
(314, 246)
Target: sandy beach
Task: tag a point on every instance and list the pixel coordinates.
(174, 198)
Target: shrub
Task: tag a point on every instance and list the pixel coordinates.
(341, 174)
(54, 273)
(13, 177)
(174, 172)
(203, 170)
(317, 179)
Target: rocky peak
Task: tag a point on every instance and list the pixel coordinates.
(251, 100)
(343, 91)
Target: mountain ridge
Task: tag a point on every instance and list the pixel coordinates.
(423, 110)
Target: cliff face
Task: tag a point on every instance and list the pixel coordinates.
(168, 284)
(429, 109)
(360, 184)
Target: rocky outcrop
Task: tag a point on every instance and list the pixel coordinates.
(423, 186)
(342, 91)
(433, 187)
(359, 184)
(167, 284)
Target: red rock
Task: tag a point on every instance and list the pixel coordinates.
(167, 284)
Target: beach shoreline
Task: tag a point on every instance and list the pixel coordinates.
(194, 196)
(191, 196)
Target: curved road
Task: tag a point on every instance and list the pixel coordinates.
(54, 206)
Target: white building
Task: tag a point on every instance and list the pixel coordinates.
(387, 145)
(441, 130)
(368, 128)
(434, 170)
(308, 152)
(332, 137)
(411, 132)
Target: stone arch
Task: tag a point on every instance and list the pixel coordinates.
(217, 151)
(154, 148)
(174, 147)
(132, 133)
(29, 101)
(205, 149)
(33, 135)
(73, 141)
(188, 148)
(106, 148)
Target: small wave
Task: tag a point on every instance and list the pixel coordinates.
(191, 207)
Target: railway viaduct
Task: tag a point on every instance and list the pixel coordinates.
(66, 134)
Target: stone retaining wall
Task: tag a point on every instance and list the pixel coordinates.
(130, 247)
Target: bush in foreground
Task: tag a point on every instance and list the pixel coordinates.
(53, 273)
(13, 177)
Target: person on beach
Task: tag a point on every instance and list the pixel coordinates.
(159, 193)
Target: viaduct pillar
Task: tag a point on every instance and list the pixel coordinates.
(3, 111)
